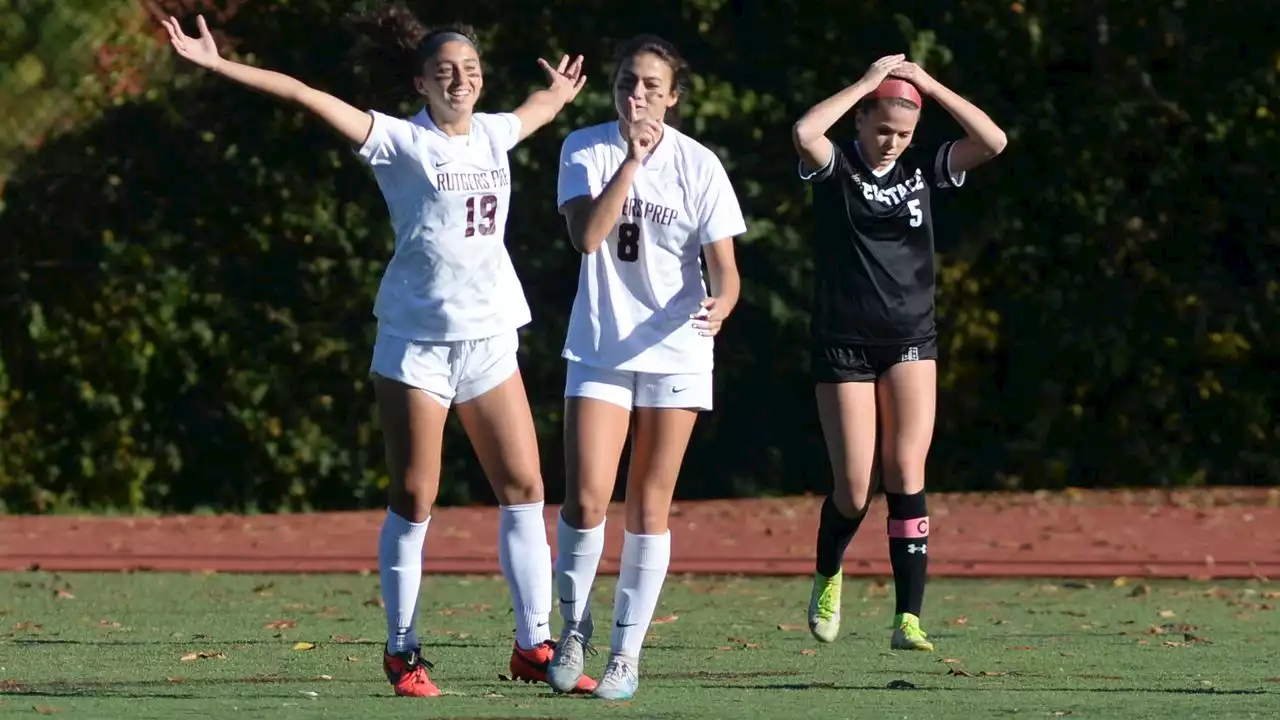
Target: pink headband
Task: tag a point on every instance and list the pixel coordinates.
(897, 88)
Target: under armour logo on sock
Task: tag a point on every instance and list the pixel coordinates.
(914, 549)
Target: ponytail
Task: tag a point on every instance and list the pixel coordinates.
(394, 45)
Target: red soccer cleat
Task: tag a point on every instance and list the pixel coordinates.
(531, 666)
(407, 672)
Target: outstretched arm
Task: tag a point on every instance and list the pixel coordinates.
(983, 138)
(543, 105)
(809, 134)
(352, 123)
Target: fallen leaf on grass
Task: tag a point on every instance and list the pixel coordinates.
(493, 695)
(1195, 639)
(959, 672)
(45, 710)
(304, 646)
(356, 659)
(63, 595)
(1173, 643)
(1273, 680)
(281, 625)
(808, 651)
(1022, 647)
(1168, 614)
(987, 673)
(108, 623)
(264, 589)
(27, 625)
(203, 655)
(664, 620)
(462, 635)
(901, 685)
(504, 677)
(1140, 591)
(1120, 581)
(962, 620)
(791, 628)
(1077, 585)
(949, 661)
(174, 680)
(724, 647)
(322, 677)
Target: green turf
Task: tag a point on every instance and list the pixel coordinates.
(108, 646)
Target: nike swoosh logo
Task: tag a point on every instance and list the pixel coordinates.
(544, 624)
(625, 625)
(678, 390)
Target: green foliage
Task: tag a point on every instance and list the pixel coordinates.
(189, 277)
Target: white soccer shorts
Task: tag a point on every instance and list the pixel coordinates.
(630, 389)
(450, 372)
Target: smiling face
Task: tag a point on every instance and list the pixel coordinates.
(650, 81)
(451, 81)
(885, 129)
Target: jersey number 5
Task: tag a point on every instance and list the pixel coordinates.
(917, 217)
(488, 215)
(628, 242)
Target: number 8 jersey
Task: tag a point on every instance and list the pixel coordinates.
(451, 277)
(636, 292)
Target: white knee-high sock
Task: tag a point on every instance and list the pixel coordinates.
(525, 558)
(644, 568)
(400, 569)
(577, 558)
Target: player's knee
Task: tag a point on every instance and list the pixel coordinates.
(583, 511)
(520, 488)
(414, 496)
(852, 496)
(905, 476)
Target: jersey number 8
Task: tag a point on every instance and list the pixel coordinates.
(488, 215)
(628, 242)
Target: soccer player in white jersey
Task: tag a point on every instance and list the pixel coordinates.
(448, 310)
(643, 203)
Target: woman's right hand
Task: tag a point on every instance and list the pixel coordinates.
(881, 68)
(202, 51)
(644, 134)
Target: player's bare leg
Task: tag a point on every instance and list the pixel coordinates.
(907, 395)
(500, 426)
(595, 434)
(847, 412)
(660, 438)
(413, 433)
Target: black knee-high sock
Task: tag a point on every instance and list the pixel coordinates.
(835, 531)
(908, 549)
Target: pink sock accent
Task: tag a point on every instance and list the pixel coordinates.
(910, 529)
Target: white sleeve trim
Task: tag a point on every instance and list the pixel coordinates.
(943, 175)
(821, 173)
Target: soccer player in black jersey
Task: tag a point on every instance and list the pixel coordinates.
(874, 338)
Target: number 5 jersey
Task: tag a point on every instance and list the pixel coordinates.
(874, 271)
(636, 292)
(451, 277)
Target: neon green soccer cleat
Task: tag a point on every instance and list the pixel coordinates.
(824, 607)
(907, 634)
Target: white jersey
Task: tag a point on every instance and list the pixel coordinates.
(451, 277)
(637, 291)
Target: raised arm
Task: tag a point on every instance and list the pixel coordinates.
(543, 105)
(809, 134)
(352, 123)
(983, 138)
(590, 219)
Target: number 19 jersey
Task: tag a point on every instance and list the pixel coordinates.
(636, 292)
(451, 277)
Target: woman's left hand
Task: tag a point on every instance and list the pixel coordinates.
(915, 75)
(709, 318)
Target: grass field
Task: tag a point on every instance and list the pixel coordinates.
(143, 645)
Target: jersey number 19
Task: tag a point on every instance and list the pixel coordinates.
(488, 214)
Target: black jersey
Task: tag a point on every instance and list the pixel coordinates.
(873, 245)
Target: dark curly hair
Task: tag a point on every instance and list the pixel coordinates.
(662, 48)
(395, 44)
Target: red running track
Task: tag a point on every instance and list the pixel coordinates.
(1220, 533)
